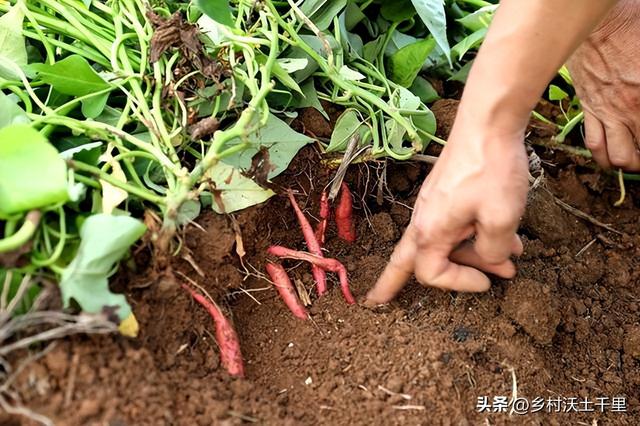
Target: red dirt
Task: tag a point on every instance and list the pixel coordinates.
(568, 325)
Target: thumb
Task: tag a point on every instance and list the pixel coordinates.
(397, 272)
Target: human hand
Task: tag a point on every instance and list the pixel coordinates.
(477, 188)
(606, 75)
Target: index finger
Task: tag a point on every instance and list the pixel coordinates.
(397, 272)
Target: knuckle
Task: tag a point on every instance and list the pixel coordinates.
(618, 160)
(499, 222)
(492, 251)
(594, 144)
(424, 233)
(495, 255)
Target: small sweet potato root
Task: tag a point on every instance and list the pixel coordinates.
(324, 205)
(321, 231)
(312, 245)
(344, 215)
(327, 264)
(285, 287)
(324, 218)
(226, 335)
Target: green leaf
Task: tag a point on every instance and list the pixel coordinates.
(564, 73)
(406, 63)
(188, 211)
(397, 10)
(80, 148)
(424, 90)
(213, 30)
(71, 76)
(310, 7)
(218, 10)
(92, 107)
(353, 15)
(322, 12)
(350, 74)
(311, 98)
(281, 74)
(398, 41)
(462, 74)
(351, 43)
(471, 41)
(291, 65)
(420, 116)
(32, 174)
(432, 14)
(479, 19)
(13, 51)
(235, 191)
(346, 127)
(110, 116)
(426, 123)
(10, 112)
(280, 99)
(316, 44)
(556, 93)
(372, 50)
(282, 142)
(407, 100)
(104, 240)
(395, 137)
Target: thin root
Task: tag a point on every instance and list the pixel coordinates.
(24, 412)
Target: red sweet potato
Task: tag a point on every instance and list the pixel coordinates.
(324, 218)
(226, 336)
(285, 288)
(312, 245)
(344, 215)
(327, 264)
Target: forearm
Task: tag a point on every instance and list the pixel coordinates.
(527, 43)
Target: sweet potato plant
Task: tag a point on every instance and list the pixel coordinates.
(110, 109)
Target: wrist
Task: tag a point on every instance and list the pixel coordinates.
(496, 101)
(491, 117)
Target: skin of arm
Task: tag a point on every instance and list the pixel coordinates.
(528, 42)
(479, 185)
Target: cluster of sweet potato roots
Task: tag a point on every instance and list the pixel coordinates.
(320, 265)
(226, 336)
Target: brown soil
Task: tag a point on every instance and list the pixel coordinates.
(567, 325)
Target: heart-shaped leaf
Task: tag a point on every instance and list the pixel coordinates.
(71, 76)
(104, 240)
(32, 173)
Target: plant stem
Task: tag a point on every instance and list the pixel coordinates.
(131, 189)
(569, 127)
(23, 234)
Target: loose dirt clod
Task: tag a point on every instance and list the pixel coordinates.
(632, 342)
(533, 307)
